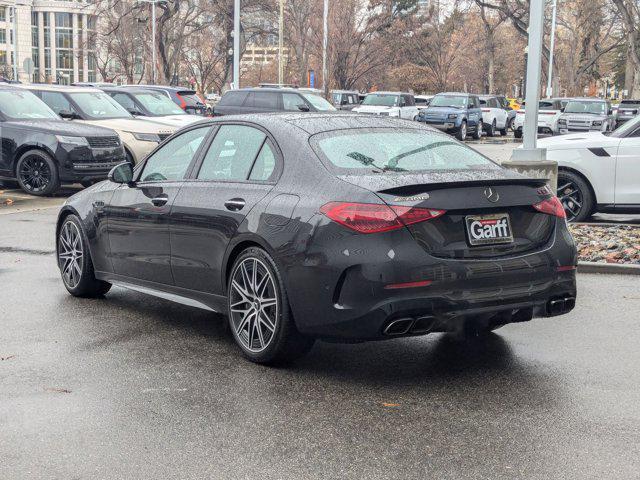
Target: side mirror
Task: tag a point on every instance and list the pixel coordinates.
(133, 111)
(344, 101)
(471, 105)
(562, 110)
(611, 111)
(303, 108)
(122, 173)
(67, 114)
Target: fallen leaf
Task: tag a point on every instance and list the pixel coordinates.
(390, 405)
(7, 358)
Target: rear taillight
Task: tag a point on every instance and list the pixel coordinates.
(520, 112)
(375, 218)
(183, 104)
(486, 110)
(551, 206)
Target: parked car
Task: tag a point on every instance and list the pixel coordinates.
(211, 99)
(187, 99)
(423, 101)
(549, 112)
(94, 107)
(93, 84)
(598, 172)
(627, 110)
(494, 116)
(456, 113)
(286, 230)
(151, 105)
(389, 104)
(511, 113)
(586, 114)
(41, 151)
(267, 99)
(345, 99)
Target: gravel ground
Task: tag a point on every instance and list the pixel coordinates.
(609, 244)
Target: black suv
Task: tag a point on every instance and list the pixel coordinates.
(41, 151)
(259, 100)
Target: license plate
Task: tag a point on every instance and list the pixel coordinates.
(489, 229)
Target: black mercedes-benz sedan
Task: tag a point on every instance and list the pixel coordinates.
(41, 151)
(341, 227)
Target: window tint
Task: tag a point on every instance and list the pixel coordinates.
(231, 153)
(56, 101)
(290, 102)
(233, 98)
(408, 101)
(266, 100)
(124, 100)
(171, 161)
(265, 164)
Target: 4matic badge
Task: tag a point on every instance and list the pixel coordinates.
(413, 198)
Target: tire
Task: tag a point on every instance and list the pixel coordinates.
(504, 131)
(491, 132)
(477, 135)
(517, 133)
(37, 173)
(274, 338)
(576, 196)
(74, 261)
(462, 133)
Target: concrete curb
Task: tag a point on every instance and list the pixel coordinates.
(608, 268)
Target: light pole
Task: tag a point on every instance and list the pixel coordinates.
(529, 159)
(153, 37)
(236, 44)
(325, 24)
(280, 43)
(551, 45)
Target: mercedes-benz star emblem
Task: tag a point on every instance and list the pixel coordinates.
(491, 195)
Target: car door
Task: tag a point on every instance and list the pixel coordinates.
(501, 114)
(138, 215)
(627, 189)
(474, 112)
(235, 173)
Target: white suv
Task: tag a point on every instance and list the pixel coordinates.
(494, 117)
(390, 104)
(549, 112)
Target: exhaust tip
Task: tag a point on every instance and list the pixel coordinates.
(399, 326)
(423, 325)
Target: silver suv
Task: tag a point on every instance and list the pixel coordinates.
(627, 110)
(586, 114)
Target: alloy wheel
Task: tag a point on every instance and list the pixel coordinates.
(571, 198)
(34, 174)
(463, 130)
(70, 254)
(254, 304)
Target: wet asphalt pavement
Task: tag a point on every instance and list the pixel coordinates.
(135, 387)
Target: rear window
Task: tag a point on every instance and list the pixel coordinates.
(232, 99)
(378, 150)
(634, 103)
(191, 98)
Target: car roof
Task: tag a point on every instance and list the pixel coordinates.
(587, 99)
(167, 88)
(60, 88)
(318, 123)
(127, 89)
(390, 93)
(459, 94)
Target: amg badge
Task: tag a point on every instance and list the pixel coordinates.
(489, 229)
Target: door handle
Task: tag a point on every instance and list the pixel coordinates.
(160, 200)
(235, 204)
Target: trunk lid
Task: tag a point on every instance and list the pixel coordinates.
(499, 195)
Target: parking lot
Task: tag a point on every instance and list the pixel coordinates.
(132, 386)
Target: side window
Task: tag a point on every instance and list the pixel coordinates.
(56, 101)
(124, 100)
(232, 153)
(233, 98)
(408, 100)
(290, 102)
(171, 161)
(476, 102)
(264, 165)
(266, 100)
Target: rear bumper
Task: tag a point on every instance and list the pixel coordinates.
(349, 288)
(448, 127)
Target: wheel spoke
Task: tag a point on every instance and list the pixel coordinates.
(268, 302)
(266, 321)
